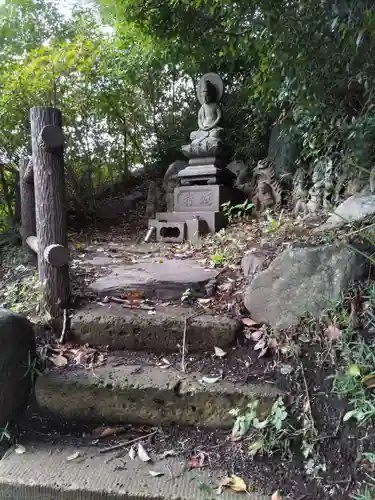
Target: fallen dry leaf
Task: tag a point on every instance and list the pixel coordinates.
(276, 496)
(219, 352)
(222, 483)
(209, 380)
(257, 335)
(103, 432)
(261, 344)
(142, 453)
(74, 455)
(196, 461)
(59, 360)
(19, 449)
(249, 322)
(333, 333)
(155, 473)
(235, 483)
(168, 453)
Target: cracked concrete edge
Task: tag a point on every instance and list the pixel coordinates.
(122, 328)
(152, 396)
(44, 472)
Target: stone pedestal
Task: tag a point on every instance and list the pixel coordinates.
(205, 198)
(206, 174)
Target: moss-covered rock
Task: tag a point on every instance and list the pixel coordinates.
(17, 355)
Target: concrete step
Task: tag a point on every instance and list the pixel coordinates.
(44, 472)
(121, 328)
(144, 395)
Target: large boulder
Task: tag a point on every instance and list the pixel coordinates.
(170, 182)
(354, 209)
(17, 373)
(303, 280)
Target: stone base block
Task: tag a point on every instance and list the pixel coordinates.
(214, 220)
(206, 174)
(169, 231)
(205, 198)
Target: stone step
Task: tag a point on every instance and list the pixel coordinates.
(44, 472)
(136, 329)
(143, 394)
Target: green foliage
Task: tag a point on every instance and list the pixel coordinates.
(5, 435)
(239, 211)
(356, 362)
(24, 296)
(367, 494)
(219, 259)
(268, 429)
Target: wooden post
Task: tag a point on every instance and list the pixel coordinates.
(28, 224)
(50, 209)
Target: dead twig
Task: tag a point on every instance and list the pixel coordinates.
(187, 318)
(313, 428)
(64, 328)
(123, 444)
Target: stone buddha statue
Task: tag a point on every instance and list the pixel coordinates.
(209, 116)
(207, 140)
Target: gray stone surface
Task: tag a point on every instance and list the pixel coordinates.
(156, 277)
(136, 329)
(44, 473)
(252, 262)
(171, 181)
(283, 149)
(109, 210)
(214, 220)
(144, 394)
(242, 171)
(354, 209)
(205, 198)
(17, 352)
(300, 281)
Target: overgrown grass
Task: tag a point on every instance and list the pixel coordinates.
(355, 374)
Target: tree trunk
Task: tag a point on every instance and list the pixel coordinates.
(50, 207)
(28, 226)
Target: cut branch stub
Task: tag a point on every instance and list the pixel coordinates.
(56, 255)
(51, 138)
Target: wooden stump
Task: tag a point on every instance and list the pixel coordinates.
(50, 205)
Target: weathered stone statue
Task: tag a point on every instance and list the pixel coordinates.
(267, 191)
(207, 152)
(300, 190)
(210, 134)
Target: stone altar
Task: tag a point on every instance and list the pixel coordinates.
(205, 184)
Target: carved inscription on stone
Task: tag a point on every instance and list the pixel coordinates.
(195, 199)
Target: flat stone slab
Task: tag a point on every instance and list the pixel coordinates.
(44, 473)
(158, 277)
(144, 394)
(122, 328)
